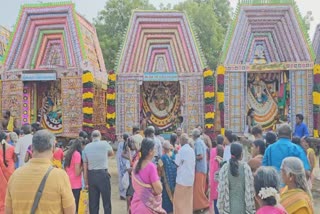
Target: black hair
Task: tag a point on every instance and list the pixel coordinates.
(17, 131)
(147, 145)
(266, 177)
(271, 138)
(125, 137)
(148, 132)
(300, 116)
(35, 127)
(296, 140)
(250, 111)
(308, 140)
(234, 138)
(26, 129)
(236, 152)
(157, 131)
(173, 139)
(220, 139)
(262, 147)
(3, 136)
(135, 129)
(256, 130)
(83, 134)
(229, 136)
(76, 145)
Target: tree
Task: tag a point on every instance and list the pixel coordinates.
(210, 21)
(111, 25)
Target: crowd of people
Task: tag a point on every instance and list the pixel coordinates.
(196, 174)
(188, 173)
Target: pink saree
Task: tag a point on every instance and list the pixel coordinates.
(214, 167)
(144, 200)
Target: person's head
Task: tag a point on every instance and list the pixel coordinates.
(157, 131)
(17, 131)
(147, 152)
(299, 118)
(229, 136)
(179, 131)
(200, 128)
(3, 142)
(293, 174)
(220, 139)
(236, 156)
(284, 131)
(13, 137)
(27, 129)
(258, 147)
(35, 127)
(306, 142)
(250, 112)
(166, 147)
(257, 131)
(43, 143)
(6, 114)
(266, 185)
(75, 146)
(296, 140)
(173, 139)
(196, 133)
(149, 132)
(234, 138)
(184, 139)
(83, 134)
(135, 129)
(96, 135)
(125, 137)
(271, 138)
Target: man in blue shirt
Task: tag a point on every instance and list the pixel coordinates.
(301, 129)
(284, 148)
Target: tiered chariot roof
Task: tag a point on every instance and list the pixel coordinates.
(277, 24)
(316, 44)
(48, 27)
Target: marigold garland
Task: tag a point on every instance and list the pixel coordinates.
(111, 103)
(221, 70)
(87, 97)
(209, 97)
(316, 100)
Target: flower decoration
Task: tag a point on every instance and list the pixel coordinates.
(87, 98)
(316, 100)
(209, 98)
(221, 70)
(111, 103)
(267, 192)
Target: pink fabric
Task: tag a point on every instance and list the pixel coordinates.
(281, 92)
(144, 199)
(272, 210)
(58, 154)
(149, 174)
(75, 180)
(214, 167)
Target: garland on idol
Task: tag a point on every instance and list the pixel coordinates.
(209, 98)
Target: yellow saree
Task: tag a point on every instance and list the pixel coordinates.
(296, 201)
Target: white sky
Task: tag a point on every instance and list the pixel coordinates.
(9, 9)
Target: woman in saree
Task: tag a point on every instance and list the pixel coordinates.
(266, 186)
(297, 198)
(168, 173)
(7, 159)
(146, 183)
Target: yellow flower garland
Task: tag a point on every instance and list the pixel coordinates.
(112, 77)
(209, 115)
(208, 73)
(209, 126)
(88, 77)
(316, 69)
(111, 116)
(111, 96)
(88, 95)
(316, 98)
(87, 110)
(208, 94)
(221, 70)
(220, 97)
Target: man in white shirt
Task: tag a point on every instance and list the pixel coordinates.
(23, 144)
(183, 194)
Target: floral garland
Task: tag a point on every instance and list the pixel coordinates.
(87, 98)
(316, 100)
(220, 94)
(111, 106)
(208, 78)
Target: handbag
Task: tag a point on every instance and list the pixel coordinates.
(83, 207)
(40, 190)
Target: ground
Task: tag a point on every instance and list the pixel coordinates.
(119, 207)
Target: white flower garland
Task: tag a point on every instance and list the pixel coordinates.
(267, 192)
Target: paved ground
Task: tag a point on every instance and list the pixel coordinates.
(119, 207)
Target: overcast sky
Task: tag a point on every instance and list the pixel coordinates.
(89, 8)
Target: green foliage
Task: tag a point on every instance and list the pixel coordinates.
(210, 21)
(111, 25)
